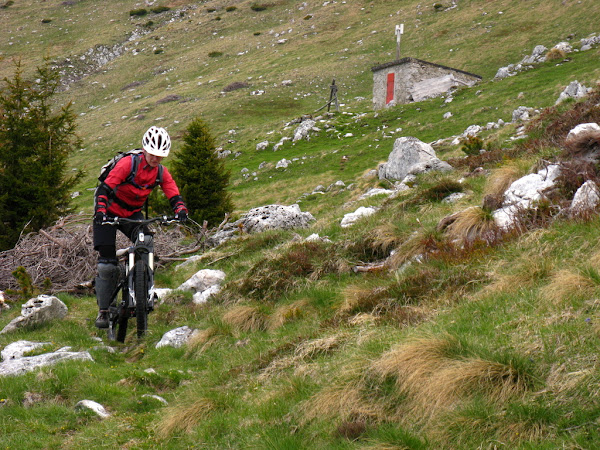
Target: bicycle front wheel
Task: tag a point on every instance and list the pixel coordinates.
(141, 297)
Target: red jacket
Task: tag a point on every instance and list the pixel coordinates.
(128, 193)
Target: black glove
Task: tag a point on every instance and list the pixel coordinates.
(100, 217)
(182, 216)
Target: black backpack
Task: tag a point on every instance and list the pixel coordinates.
(135, 162)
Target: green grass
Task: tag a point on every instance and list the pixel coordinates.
(296, 353)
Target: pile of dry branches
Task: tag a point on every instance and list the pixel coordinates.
(64, 253)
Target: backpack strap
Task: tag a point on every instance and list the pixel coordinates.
(135, 163)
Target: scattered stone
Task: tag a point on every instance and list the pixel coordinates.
(351, 218)
(92, 406)
(36, 311)
(586, 199)
(176, 338)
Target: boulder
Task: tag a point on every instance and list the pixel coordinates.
(176, 338)
(202, 280)
(523, 194)
(350, 218)
(410, 156)
(91, 405)
(24, 364)
(574, 90)
(586, 199)
(276, 217)
(36, 311)
(303, 130)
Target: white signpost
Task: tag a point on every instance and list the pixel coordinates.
(399, 32)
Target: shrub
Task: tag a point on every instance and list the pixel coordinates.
(471, 145)
(46, 20)
(441, 190)
(235, 86)
(138, 12)
(7, 4)
(158, 51)
(215, 54)
(159, 9)
(259, 7)
(231, 8)
(149, 24)
(211, 10)
(256, 33)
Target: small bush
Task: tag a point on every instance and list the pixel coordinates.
(158, 51)
(7, 4)
(211, 10)
(138, 12)
(256, 33)
(159, 9)
(472, 145)
(218, 18)
(438, 7)
(46, 20)
(149, 24)
(235, 86)
(259, 7)
(308, 17)
(231, 8)
(555, 54)
(215, 54)
(441, 190)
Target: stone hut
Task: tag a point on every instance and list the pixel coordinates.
(411, 80)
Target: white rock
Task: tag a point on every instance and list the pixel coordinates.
(349, 219)
(176, 338)
(93, 406)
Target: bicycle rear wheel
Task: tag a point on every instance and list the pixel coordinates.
(141, 297)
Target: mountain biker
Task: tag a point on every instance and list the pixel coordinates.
(124, 195)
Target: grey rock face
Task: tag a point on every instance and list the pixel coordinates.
(411, 156)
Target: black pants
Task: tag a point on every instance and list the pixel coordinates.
(105, 237)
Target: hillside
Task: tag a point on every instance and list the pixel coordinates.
(487, 345)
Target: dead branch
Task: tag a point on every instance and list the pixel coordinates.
(64, 253)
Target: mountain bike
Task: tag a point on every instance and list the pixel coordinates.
(136, 281)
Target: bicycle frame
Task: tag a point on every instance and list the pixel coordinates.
(137, 280)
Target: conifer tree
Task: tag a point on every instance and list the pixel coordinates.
(36, 138)
(201, 176)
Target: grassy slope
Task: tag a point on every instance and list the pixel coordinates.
(310, 374)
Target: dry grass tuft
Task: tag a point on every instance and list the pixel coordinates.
(245, 318)
(343, 401)
(565, 284)
(304, 352)
(502, 178)
(202, 340)
(360, 299)
(287, 313)
(183, 418)
(435, 378)
(473, 224)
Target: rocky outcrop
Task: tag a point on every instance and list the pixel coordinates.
(410, 156)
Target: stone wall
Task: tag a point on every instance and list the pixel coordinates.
(416, 80)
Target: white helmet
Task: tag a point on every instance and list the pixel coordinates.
(156, 141)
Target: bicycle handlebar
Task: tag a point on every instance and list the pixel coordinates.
(164, 220)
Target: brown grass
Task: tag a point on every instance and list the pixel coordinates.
(183, 418)
(435, 378)
(245, 318)
(565, 284)
(202, 340)
(287, 313)
(473, 224)
(502, 178)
